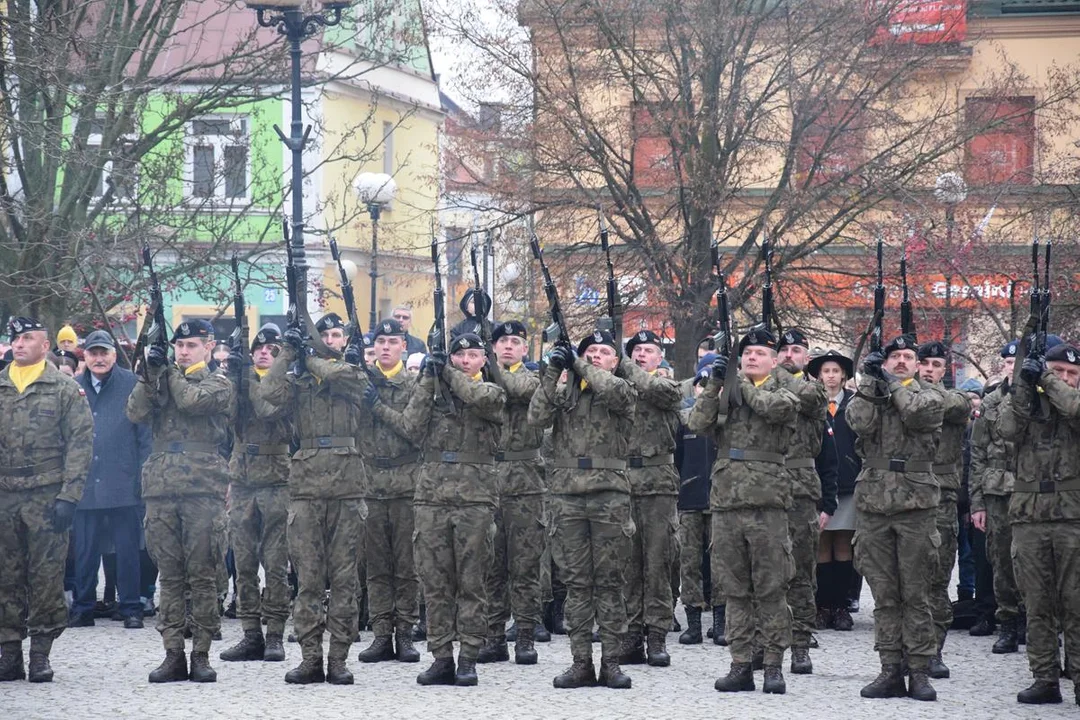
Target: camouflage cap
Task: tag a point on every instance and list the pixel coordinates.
(642, 337)
(193, 329)
(18, 325)
(515, 328)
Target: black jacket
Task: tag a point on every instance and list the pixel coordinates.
(838, 464)
(694, 458)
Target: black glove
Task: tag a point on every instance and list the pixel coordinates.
(436, 361)
(561, 357)
(371, 395)
(872, 364)
(157, 357)
(63, 515)
(236, 362)
(1033, 369)
(719, 368)
(353, 354)
(294, 339)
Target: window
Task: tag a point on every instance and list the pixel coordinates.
(117, 169)
(1002, 149)
(217, 158)
(652, 154)
(832, 143)
(388, 148)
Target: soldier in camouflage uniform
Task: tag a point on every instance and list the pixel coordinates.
(183, 485)
(805, 519)
(993, 463)
(948, 462)
(751, 496)
(327, 480)
(259, 505)
(654, 492)
(393, 461)
(592, 416)
(46, 438)
(1042, 417)
(457, 423)
(898, 419)
(514, 579)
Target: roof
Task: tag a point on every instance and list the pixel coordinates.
(991, 8)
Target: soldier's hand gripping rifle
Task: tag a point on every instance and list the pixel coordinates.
(724, 340)
(436, 339)
(240, 342)
(154, 331)
(557, 331)
(481, 307)
(613, 323)
(356, 335)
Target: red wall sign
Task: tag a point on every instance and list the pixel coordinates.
(923, 22)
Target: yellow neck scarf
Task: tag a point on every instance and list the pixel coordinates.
(392, 371)
(515, 367)
(261, 373)
(194, 368)
(478, 376)
(907, 382)
(762, 381)
(23, 375)
(797, 374)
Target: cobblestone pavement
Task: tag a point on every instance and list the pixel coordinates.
(101, 672)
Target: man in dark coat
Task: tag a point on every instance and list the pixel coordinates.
(109, 508)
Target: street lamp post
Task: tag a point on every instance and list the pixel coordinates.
(950, 190)
(375, 190)
(290, 20)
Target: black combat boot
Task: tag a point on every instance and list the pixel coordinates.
(983, 628)
(251, 647)
(937, 668)
(656, 653)
(336, 671)
(889, 684)
(275, 649)
(774, 681)
(11, 661)
(919, 687)
(381, 649)
(201, 672)
(612, 676)
(466, 672)
(406, 651)
(420, 631)
(739, 678)
(40, 669)
(692, 634)
(632, 651)
(1007, 641)
(558, 617)
(172, 669)
(512, 632)
(494, 650)
(441, 672)
(718, 636)
(541, 633)
(757, 660)
(580, 674)
(1041, 692)
(524, 649)
(308, 672)
(800, 661)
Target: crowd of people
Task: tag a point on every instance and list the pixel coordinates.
(366, 482)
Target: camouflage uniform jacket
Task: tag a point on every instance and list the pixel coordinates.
(950, 447)
(656, 426)
(326, 403)
(993, 458)
(1047, 451)
(266, 428)
(905, 427)
(470, 427)
(598, 426)
(49, 422)
(184, 409)
(809, 431)
(380, 442)
(520, 477)
(761, 425)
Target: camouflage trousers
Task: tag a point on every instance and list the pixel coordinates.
(751, 555)
(514, 578)
(897, 554)
(1046, 557)
(392, 585)
(453, 547)
(654, 551)
(590, 543)
(948, 525)
(184, 537)
(804, 529)
(323, 539)
(31, 566)
(999, 539)
(695, 538)
(257, 520)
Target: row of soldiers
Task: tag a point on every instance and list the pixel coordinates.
(332, 455)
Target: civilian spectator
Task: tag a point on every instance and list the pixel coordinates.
(403, 314)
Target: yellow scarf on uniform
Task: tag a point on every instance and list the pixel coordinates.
(392, 371)
(23, 375)
(261, 373)
(478, 376)
(907, 382)
(194, 368)
(515, 367)
(762, 381)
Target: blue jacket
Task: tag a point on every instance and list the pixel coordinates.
(120, 446)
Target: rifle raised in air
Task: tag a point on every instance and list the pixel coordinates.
(356, 335)
(614, 321)
(154, 330)
(240, 340)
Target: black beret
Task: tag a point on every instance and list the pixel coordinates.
(467, 341)
(642, 337)
(193, 329)
(512, 327)
(1063, 353)
(599, 337)
(814, 366)
(793, 336)
(389, 327)
(18, 325)
(932, 349)
(902, 342)
(1009, 349)
(757, 336)
(329, 321)
(269, 334)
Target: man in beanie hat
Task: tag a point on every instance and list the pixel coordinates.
(751, 496)
(259, 505)
(184, 482)
(898, 419)
(46, 431)
(590, 498)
